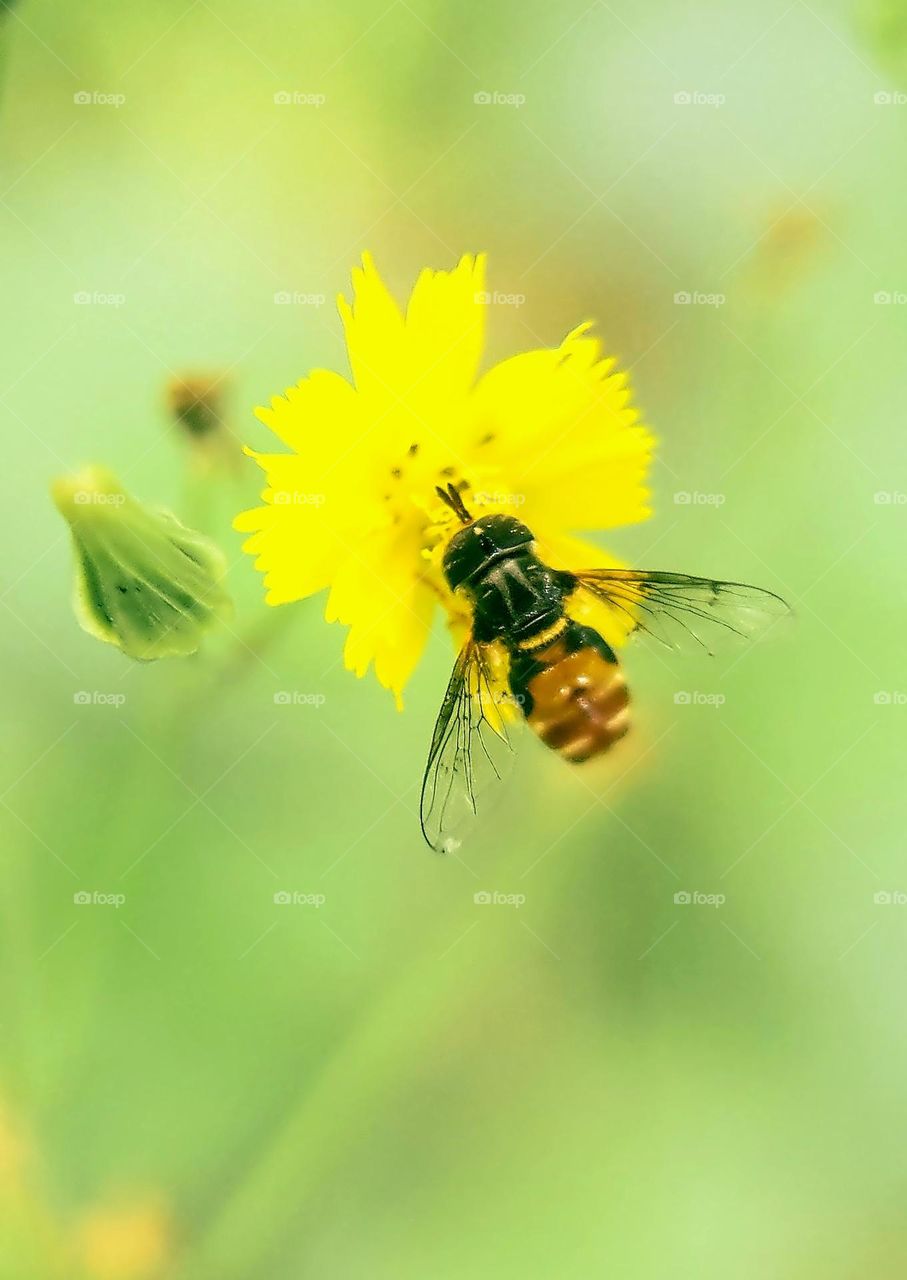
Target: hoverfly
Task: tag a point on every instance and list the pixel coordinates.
(563, 676)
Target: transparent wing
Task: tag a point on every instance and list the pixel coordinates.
(699, 614)
(470, 751)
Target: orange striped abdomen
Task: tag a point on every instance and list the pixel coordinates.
(580, 703)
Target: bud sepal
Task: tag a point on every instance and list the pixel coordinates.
(144, 581)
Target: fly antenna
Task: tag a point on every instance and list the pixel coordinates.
(452, 498)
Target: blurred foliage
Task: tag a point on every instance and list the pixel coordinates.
(885, 23)
(207, 1081)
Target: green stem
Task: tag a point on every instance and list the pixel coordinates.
(320, 1131)
(334, 1108)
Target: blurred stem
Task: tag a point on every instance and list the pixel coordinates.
(5, 24)
(126, 803)
(236, 664)
(333, 1110)
(19, 950)
(321, 1130)
(251, 644)
(198, 499)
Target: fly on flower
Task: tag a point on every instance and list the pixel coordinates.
(563, 676)
(400, 492)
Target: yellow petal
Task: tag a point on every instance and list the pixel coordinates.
(430, 356)
(300, 416)
(387, 607)
(304, 532)
(374, 333)
(319, 498)
(560, 427)
(445, 328)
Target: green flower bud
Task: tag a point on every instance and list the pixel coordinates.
(196, 402)
(198, 406)
(144, 582)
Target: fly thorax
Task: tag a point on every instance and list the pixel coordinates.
(517, 593)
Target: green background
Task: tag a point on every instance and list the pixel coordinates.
(402, 1082)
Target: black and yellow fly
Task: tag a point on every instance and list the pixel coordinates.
(564, 678)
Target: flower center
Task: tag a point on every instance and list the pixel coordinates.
(411, 486)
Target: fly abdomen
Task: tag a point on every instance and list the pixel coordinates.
(573, 693)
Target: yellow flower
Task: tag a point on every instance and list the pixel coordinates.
(549, 435)
(125, 1243)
